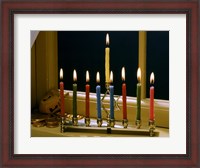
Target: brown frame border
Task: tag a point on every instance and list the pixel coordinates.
(12, 7)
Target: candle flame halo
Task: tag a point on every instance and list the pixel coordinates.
(61, 73)
(74, 75)
(107, 39)
(123, 73)
(152, 78)
(87, 76)
(139, 74)
(98, 77)
(111, 76)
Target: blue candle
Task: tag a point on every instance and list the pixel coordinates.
(98, 94)
(111, 97)
(111, 102)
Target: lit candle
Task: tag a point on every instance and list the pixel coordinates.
(74, 95)
(152, 97)
(124, 94)
(107, 59)
(98, 94)
(138, 94)
(111, 96)
(87, 92)
(62, 94)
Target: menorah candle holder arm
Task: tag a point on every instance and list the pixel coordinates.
(99, 122)
(75, 121)
(87, 122)
(112, 122)
(125, 123)
(151, 127)
(62, 126)
(138, 124)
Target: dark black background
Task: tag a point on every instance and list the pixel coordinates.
(85, 50)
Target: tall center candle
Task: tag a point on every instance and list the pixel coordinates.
(124, 94)
(87, 96)
(151, 117)
(74, 95)
(98, 94)
(62, 106)
(138, 94)
(111, 96)
(107, 59)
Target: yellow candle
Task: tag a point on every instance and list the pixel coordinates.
(107, 60)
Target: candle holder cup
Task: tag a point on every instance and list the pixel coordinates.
(108, 122)
(62, 124)
(99, 122)
(125, 123)
(138, 124)
(152, 127)
(75, 121)
(87, 122)
(112, 122)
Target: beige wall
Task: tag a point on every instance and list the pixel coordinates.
(44, 66)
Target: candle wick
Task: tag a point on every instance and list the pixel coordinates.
(151, 85)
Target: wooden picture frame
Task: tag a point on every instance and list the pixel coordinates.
(12, 7)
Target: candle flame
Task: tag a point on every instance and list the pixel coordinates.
(107, 39)
(123, 74)
(152, 78)
(87, 76)
(98, 77)
(139, 74)
(61, 73)
(111, 76)
(74, 75)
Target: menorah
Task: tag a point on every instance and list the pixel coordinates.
(107, 126)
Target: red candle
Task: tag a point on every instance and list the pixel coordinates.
(62, 94)
(124, 94)
(152, 97)
(87, 92)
